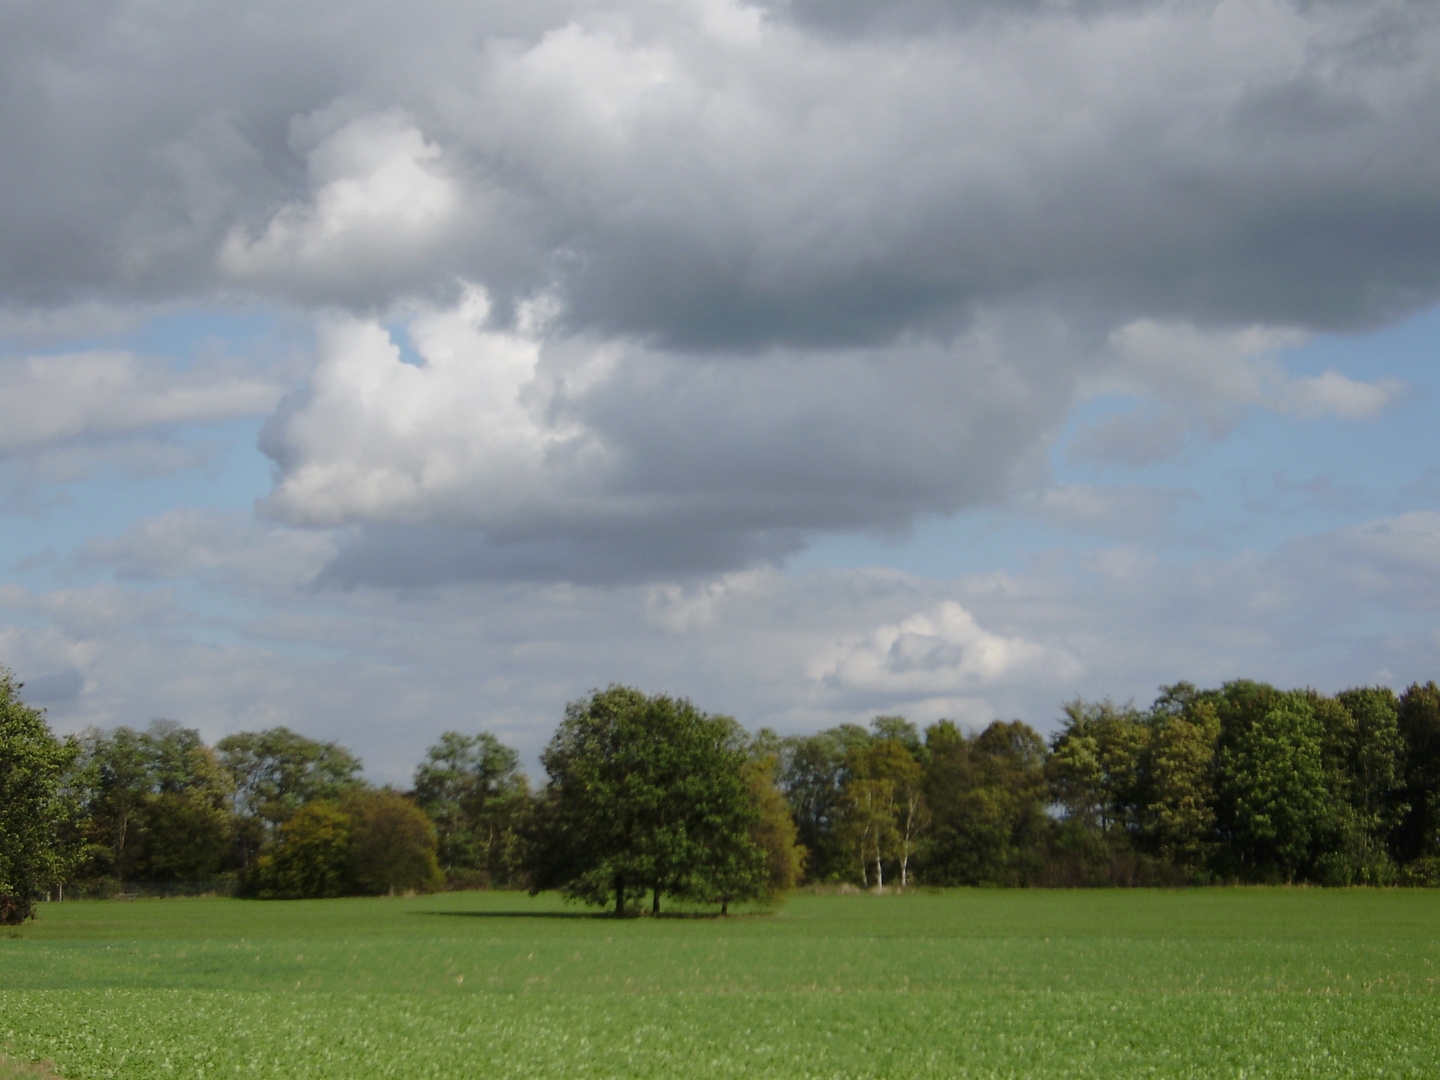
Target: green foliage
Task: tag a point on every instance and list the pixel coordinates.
(155, 802)
(812, 774)
(1276, 805)
(1179, 814)
(371, 843)
(392, 845)
(1096, 765)
(989, 796)
(472, 789)
(883, 801)
(32, 808)
(275, 772)
(1419, 724)
(645, 793)
(774, 831)
(185, 838)
(312, 857)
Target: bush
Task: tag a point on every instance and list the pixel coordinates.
(392, 845)
(372, 843)
(1424, 872)
(311, 857)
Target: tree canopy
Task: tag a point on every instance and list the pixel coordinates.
(645, 794)
(32, 807)
(648, 796)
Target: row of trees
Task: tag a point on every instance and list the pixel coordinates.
(1241, 783)
(646, 795)
(650, 796)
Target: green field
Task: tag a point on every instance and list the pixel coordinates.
(1210, 982)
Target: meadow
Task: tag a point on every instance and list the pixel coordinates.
(963, 983)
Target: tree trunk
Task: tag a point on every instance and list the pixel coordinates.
(619, 896)
(905, 867)
(879, 873)
(655, 902)
(724, 906)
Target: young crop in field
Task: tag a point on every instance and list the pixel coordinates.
(962, 983)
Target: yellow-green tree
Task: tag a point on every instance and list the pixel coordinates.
(311, 855)
(392, 845)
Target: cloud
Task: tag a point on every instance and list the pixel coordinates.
(513, 453)
(943, 651)
(381, 208)
(1128, 511)
(723, 175)
(622, 301)
(230, 548)
(1396, 557)
(1333, 394)
(1191, 380)
(47, 400)
(692, 284)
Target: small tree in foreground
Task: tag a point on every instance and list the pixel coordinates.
(32, 810)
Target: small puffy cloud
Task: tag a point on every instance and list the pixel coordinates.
(1179, 361)
(942, 651)
(1333, 394)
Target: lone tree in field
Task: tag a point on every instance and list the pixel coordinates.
(32, 809)
(645, 794)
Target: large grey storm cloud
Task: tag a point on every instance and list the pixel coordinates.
(691, 282)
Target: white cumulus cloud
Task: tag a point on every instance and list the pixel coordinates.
(937, 652)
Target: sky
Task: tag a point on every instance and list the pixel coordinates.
(382, 369)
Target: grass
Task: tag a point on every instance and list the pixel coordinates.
(1114, 984)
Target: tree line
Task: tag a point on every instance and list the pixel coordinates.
(647, 797)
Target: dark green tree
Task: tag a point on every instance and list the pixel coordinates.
(33, 810)
(1276, 804)
(157, 804)
(116, 776)
(1096, 766)
(812, 774)
(392, 845)
(472, 789)
(275, 773)
(310, 857)
(1178, 819)
(989, 797)
(644, 794)
(1418, 836)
